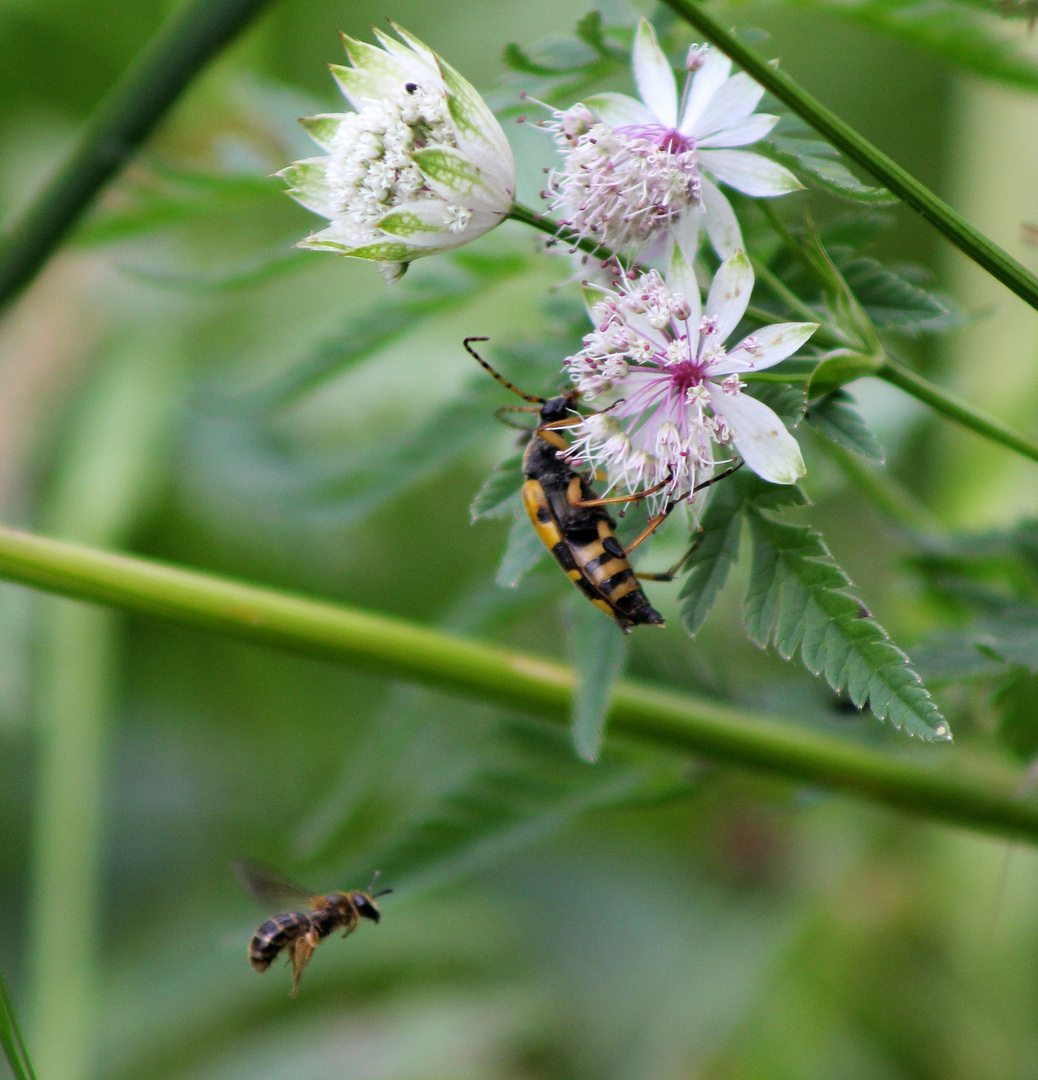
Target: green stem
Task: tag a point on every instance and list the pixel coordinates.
(124, 119)
(400, 649)
(955, 409)
(11, 1038)
(552, 228)
(964, 236)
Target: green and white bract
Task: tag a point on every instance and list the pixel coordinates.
(640, 173)
(421, 165)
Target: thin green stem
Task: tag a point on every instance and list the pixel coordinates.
(955, 409)
(124, 119)
(11, 1040)
(554, 229)
(400, 649)
(964, 236)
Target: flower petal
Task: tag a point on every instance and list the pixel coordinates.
(383, 250)
(760, 436)
(730, 293)
(681, 278)
(387, 73)
(308, 184)
(765, 347)
(685, 232)
(620, 110)
(425, 54)
(423, 224)
(479, 134)
(455, 178)
(653, 76)
(706, 82)
(746, 131)
(749, 173)
(322, 128)
(734, 101)
(722, 226)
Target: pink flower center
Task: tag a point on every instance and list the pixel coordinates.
(685, 374)
(668, 139)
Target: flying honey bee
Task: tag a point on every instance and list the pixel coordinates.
(310, 918)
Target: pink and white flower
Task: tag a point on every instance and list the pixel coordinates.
(668, 389)
(636, 172)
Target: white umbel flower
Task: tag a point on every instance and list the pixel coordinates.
(420, 166)
(639, 172)
(670, 391)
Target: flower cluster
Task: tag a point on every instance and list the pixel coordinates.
(668, 388)
(419, 167)
(638, 174)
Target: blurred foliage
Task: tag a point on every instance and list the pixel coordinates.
(300, 425)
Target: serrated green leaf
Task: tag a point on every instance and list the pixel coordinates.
(716, 552)
(523, 552)
(598, 651)
(499, 496)
(893, 302)
(816, 164)
(835, 417)
(798, 601)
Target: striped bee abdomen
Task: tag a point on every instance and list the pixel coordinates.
(275, 934)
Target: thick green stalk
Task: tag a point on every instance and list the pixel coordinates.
(98, 489)
(964, 236)
(124, 119)
(955, 409)
(11, 1038)
(397, 648)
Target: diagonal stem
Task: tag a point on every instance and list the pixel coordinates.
(965, 237)
(131, 110)
(401, 649)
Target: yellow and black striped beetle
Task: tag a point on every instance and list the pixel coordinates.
(571, 519)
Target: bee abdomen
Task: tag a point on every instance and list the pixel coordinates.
(274, 935)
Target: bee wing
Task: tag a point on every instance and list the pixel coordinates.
(271, 889)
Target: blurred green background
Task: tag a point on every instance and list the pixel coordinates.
(178, 383)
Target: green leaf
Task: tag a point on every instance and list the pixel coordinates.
(598, 650)
(815, 164)
(798, 600)
(517, 60)
(538, 789)
(523, 552)
(499, 496)
(953, 31)
(836, 417)
(716, 543)
(716, 552)
(894, 302)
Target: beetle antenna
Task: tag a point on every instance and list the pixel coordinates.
(500, 378)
